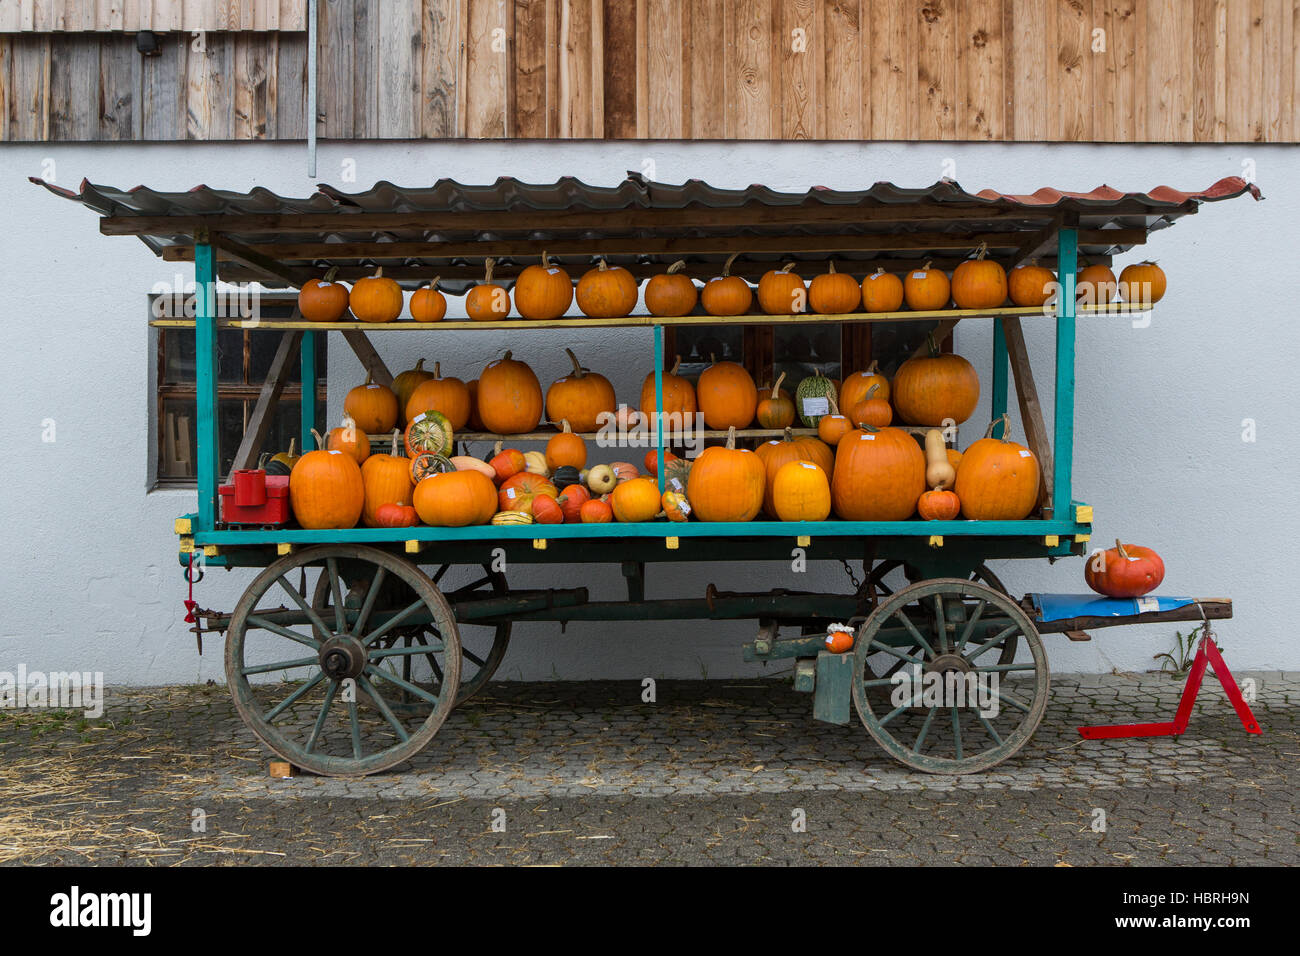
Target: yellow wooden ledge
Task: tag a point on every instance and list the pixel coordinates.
(539, 544)
(803, 540)
(183, 526)
(283, 548)
(414, 547)
(1083, 514)
(1052, 540)
(211, 550)
(936, 541)
(673, 543)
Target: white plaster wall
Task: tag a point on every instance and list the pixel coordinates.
(88, 571)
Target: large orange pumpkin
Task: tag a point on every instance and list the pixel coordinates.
(404, 383)
(326, 490)
(580, 398)
(857, 385)
(323, 300)
(386, 478)
(543, 291)
(455, 499)
(882, 292)
(879, 475)
(509, 397)
(997, 479)
(927, 289)
(375, 298)
(679, 395)
(727, 294)
(607, 293)
(1031, 284)
(834, 293)
(487, 301)
(726, 483)
(800, 491)
(447, 395)
(427, 303)
(782, 292)
(1096, 285)
(372, 406)
(1143, 283)
(931, 390)
(727, 396)
(979, 283)
(671, 293)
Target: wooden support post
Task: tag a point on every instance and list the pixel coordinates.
(259, 422)
(370, 359)
(1031, 411)
(940, 335)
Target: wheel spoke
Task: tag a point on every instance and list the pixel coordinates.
(925, 729)
(478, 661)
(1004, 668)
(469, 588)
(369, 604)
(394, 621)
(279, 665)
(355, 721)
(956, 730)
(293, 698)
(916, 635)
(970, 625)
(336, 590)
(421, 649)
(441, 571)
(989, 727)
(320, 718)
(382, 706)
(258, 621)
(993, 641)
(1007, 698)
(914, 701)
(306, 608)
(940, 623)
(897, 653)
(405, 685)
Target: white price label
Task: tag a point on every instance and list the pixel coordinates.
(816, 406)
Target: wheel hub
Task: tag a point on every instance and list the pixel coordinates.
(342, 657)
(945, 663)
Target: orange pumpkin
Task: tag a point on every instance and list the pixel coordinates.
(350, 439)
(776, 410)
(455, 499)
(834, 293)
(571, 500)
(323, 300)
(376, 299)
(487, 301)
(475, 420)
(1096, 285)
(396, 514)
(326, 490)
(998, 478)
(800, 491)
(831, 428)
(404, 383)
(521, 488)
(782, 292)
(979, 283)
(857, 385)
(931, 390)
(671, 293)
(566, 448)
(580, 397)
(605, 293)
(679, 394)
(726, 483)
(427, 303)
(872, 410)
(543, 291)
(938, 505)
(727, 396)
(595, 511)
(927, 289)
(447, 395)
(386, 479)
(547, 510)
(1142, 284)
(879, 475)
(507, 462)
(372, 406)
(1124, 571)
(676, 506)
(727, 294)
(509, 397)
(775, 455)
(1031, 284)
(635, 500)
(882, 292)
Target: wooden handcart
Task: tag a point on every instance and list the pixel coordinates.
(350, 647)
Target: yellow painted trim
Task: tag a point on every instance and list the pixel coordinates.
(283, 548)
(211, 550)
(803, 540)
(673, 543)
(183, 526)
(414, 547)
(539, 544)
(1052, 540)
(187, 544)
(1083, 514)
(1082, 538)
(936, 541)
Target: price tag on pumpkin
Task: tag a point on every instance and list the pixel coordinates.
(816, 405)
(1026, 453)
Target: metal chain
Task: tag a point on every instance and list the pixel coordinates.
(853, 578)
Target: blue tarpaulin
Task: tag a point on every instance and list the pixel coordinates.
(1056, 607)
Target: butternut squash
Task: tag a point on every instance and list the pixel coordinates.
(939, 473)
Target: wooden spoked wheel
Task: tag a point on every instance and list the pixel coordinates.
(883, 664)
(482, 646)
(319, 684)
(954, 706)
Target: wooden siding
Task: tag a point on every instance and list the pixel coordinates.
(104, 16)
(999, 70)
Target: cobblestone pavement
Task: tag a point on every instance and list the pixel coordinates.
(720, 772)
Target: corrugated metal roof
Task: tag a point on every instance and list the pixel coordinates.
(644, 224)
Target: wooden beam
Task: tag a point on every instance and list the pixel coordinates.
(940, 335)
(259, 262)
(370, 360)
(1031, 410)
(259, 422)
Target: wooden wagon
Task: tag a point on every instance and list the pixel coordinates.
(350, 647)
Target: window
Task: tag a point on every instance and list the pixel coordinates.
(243, 359)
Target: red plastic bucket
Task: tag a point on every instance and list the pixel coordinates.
(250, 487)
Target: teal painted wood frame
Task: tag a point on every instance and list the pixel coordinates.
(999, 390)
(207, 462)
(659, 406)
(307, 363)
(1067, 257)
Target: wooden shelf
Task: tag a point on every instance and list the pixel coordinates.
(591, 436)
(647, 321)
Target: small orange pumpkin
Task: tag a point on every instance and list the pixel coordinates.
(396, 514)
(782, 292)
(350, 439)
(566, 448)
(487, 301)
(581, 397)
(571, 500)
(727, 396)
(927, 289)
(1031, 284)
(882, 292)
(872, 410)
(323, 300)
(727, 294)
(1096, 285)
(831, 428)
(372, 407)
(979, 283)
(834, 293)
(427, 303)
(671, 293)
(507, 462)
(776, 410)
(635, 500)
(543, 291)
(938, 505)
(1142, 283)
(376, 299)
(1124, 571)
(596, 511)
(606, 293)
